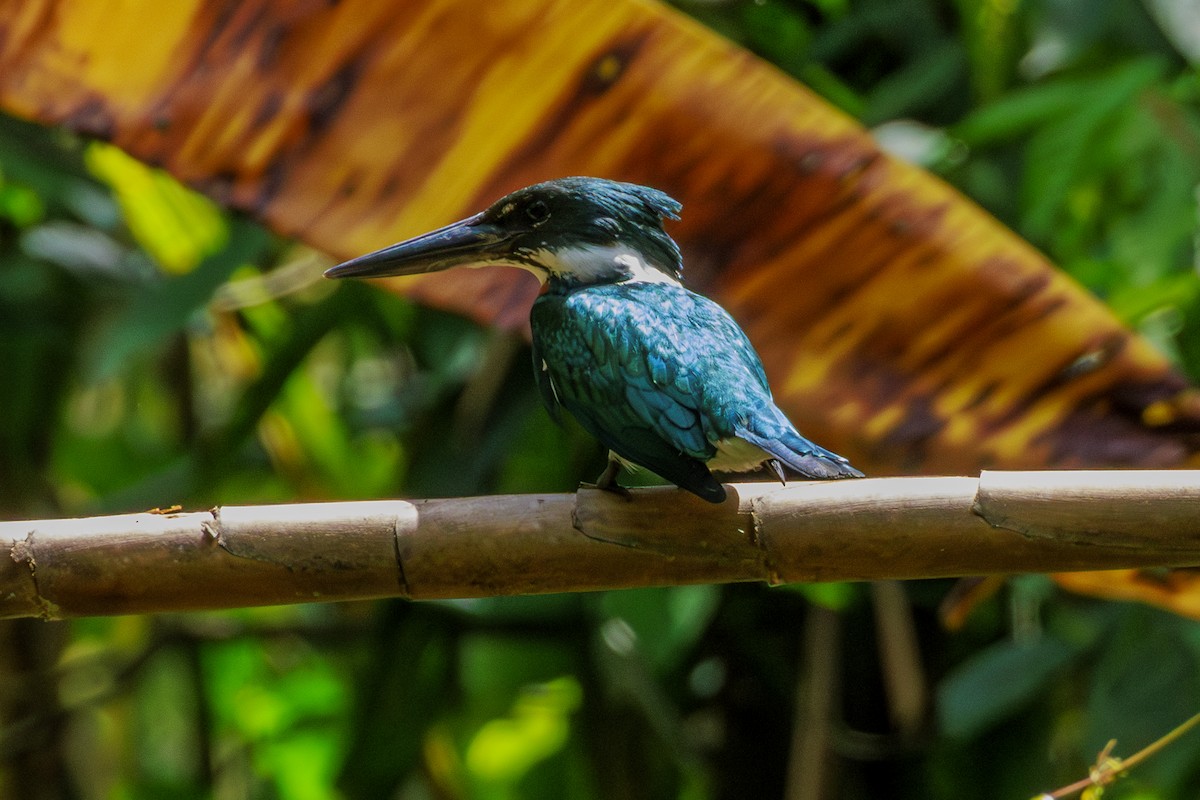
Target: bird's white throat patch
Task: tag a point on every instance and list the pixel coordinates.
(594, 264)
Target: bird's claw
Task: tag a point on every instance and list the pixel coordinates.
(612, 488)
(618, 490)
(607, 482)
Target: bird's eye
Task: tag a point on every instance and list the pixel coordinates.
(537, 212)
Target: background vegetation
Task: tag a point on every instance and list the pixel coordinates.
(157, 350)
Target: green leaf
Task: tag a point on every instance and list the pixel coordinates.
(21, 205)
(1061, 152)
(303, 764)
(1146, 682)
(665, 622)
(166, 307)
(997, 682)
(504, 749)
(174, 224)
(1021, 111)
(494, 669)
(921, 84)
(835, 596)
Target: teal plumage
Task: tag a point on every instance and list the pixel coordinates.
(661, 375)
(671, 376)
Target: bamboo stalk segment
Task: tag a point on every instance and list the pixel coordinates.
(530, 544)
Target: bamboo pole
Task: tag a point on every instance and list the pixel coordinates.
(866, 529)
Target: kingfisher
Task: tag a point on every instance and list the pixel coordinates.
(661, 375)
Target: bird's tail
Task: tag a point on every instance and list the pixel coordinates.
(809, 459)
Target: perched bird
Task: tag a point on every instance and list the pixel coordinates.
(661, 375)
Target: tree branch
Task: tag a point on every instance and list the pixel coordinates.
(527, 544)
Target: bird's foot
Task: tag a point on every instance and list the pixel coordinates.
(607, 482)
(613, 488)
(777, 468)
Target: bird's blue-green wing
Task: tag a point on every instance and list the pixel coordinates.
(629, 363)
(698, 358)
(541, 374)
(660, 375)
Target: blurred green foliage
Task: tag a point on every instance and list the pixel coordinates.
(157, 350)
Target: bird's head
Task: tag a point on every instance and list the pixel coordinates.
(569, 231)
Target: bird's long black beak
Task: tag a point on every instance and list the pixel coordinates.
(471, 241)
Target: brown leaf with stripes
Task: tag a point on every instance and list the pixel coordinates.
(900, 324)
